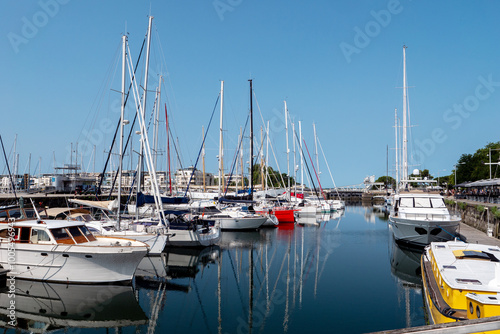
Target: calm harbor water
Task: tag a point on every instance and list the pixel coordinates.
(329, 274)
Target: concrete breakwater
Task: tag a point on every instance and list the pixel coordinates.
(484, 217)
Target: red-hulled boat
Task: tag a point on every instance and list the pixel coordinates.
(284, 214)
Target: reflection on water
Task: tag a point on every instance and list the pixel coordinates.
(405, 266)
(41, 307)
(323, 274)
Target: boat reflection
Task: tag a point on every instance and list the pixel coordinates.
(405, 267)
(42, 307)
(174, 262)
(244, 239)
(405, 264)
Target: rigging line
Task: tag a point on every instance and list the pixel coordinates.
(179, 158)
(268, 306)
(237, 283)
(321, 147)
(118, 127)
(314, 168)
(205, 318)
(236, 156)
(8, 168)
(307, 166)
(201, 147)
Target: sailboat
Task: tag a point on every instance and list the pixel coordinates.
(418, 218)
(158, 231)
(234, 218)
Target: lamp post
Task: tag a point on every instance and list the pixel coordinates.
(489, 156)
(458, 163)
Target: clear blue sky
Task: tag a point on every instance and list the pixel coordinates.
(336, 63)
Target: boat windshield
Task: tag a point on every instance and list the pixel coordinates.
(422, 202)
(62, 236)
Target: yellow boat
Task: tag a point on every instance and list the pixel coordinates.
(461, 281)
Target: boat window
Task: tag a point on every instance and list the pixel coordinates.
(406, 202)
(39, 236)
(61, 236)
(77, 234)
(438, 203)
(29, 213)
(5, 233)
(15, 213)
(25, 234)
(87, 233)
(3, 215)
(422, 202)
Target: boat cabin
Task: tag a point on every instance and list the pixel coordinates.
(49, 232)
(16, 213)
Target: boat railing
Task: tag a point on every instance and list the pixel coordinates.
(451, 216)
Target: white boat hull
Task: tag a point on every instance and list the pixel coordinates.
(202, 237)
(240, 223)
(422, 232)
(85, 263)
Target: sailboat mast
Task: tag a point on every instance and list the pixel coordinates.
(221, 150)
(143, 103)
(397, 152)
(267, 153)
(203, 158)
(301, 158)
(294, 163)
(287, 153)
(168, 152)
(157, 121)
(241, 162)
(122, 115)
(251, 140)
(316, 149)
(404, 175)
(261, 158)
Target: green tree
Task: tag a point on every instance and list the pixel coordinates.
(473, 167)
(388, 181)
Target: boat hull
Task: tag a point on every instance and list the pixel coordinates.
(284, 215)
(202, 237)
(420, 233)
(243, 223)
(91, 264)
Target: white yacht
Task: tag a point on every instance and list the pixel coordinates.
(66, 251)
(421, 218)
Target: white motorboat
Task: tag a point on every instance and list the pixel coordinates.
(66, 251)
(421, 218)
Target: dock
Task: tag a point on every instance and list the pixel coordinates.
(474, 236)
(471, 235)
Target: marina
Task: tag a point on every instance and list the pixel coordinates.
(273, 280)
(309, 202)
